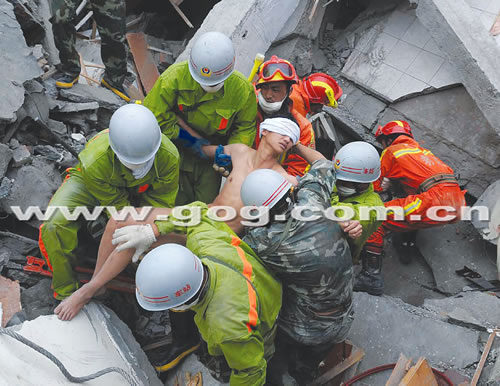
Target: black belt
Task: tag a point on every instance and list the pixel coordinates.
(436, 180)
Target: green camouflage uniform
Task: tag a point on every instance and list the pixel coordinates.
(110, 18)
(313, 262)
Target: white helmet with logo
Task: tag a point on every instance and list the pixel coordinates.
(211, 59)
(264, 187)
(134, 134)
(357, 162)
(167, 277)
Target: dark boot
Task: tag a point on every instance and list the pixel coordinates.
(185, 340)
(370, 278)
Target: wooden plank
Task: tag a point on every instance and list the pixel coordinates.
(181, 14)
(419, 375)
(313, 11)
(484, 356)
(402, 366)
(356, 355)
(84, 69)
(146, 67)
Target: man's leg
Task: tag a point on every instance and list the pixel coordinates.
(111, 22)
(59, 236)
(64, 37)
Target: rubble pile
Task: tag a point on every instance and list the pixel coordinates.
(393, 59)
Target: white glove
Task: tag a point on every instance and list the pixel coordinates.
(140, 237)
(385, 184)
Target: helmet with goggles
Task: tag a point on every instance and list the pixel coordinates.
(276, 70)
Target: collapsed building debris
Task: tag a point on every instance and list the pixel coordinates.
(425, 61)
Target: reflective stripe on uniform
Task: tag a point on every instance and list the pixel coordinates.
(413, 206)
(403, 152)
(247, 273)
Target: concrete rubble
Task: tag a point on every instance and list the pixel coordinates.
(397, 59)
(100, 340)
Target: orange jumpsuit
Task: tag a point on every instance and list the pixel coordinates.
(300, 99)
(294, 164)
(412, 165)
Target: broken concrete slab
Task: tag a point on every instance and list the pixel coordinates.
(18, 63)
(82, 93)
(396, 58)
(477, 308)
(490, 199)
(298, 51)
(21, 156)
(450, 119)
(494, 378)
(251, 25)
(10, 298)
(95, 339)
(44, 10)
(5, 157)
(33, 185)
(5, 187)
(359, 105)
(66, 107)
(298, 23)
(38, 300)
(57, 127)
(30, 21)
(191, 365)
(451, 247)
(473, 52)
(396, 327)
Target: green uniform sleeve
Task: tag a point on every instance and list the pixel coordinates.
(164, 190)
(161, 100)
(245, 122)
(107, 194)
(246, 359)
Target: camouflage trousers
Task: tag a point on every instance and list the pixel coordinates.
(110, 18)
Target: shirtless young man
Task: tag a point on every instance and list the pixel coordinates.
(278, 136)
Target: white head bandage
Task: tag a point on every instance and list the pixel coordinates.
(282, 126)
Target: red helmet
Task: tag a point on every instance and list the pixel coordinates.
(276, 70)
(322, 88)
(394, 127)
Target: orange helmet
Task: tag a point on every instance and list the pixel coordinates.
(276, 70)
(394, 127)
(322, 88)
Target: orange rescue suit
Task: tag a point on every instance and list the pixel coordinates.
(427, 181)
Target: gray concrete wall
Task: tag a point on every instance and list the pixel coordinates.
(474, 53)
(251, 25)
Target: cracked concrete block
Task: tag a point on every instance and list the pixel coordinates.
(396, 327)
(38, 300)
(470, 48)
(5, 157)
(298, 23)
(449, 119)
(95, 339)
(57, 127)
(33, 185)
(18, 63)
(30, 21)
(298, 51)
(490, 199)
(21, 156)
(84, 94)
(449, 248)
(477, 308)
(251, 25)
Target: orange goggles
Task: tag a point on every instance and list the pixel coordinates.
(271, 69)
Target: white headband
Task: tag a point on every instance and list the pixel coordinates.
(282, 126)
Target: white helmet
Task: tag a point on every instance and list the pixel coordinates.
(211, 59)
(168, 276)
(134, 134)
(264, 187)
(357, 162)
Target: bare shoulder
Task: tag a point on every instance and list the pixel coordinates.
(280, 170)
(236, 148)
